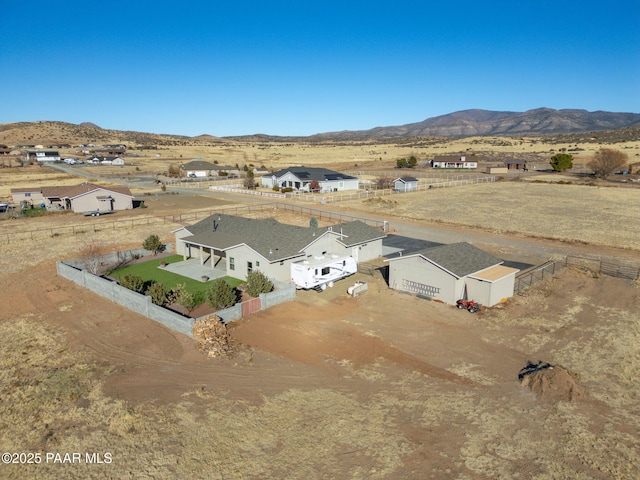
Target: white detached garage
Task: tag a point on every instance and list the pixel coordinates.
(451, 272)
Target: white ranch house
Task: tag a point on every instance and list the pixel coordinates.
(453, 161)
(301, 178)
(239, 245)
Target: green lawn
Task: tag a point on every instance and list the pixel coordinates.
(150, 271)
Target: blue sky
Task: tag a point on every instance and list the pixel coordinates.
(299, 68)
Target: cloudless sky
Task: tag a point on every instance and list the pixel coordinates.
(301, 67)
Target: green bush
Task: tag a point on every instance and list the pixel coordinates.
(132, 282)
(257, 283)
(221, 294)
(158, 293)
(153, 244)
(287, 190)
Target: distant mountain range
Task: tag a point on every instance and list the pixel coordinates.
(541, 121)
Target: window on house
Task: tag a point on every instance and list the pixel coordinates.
(249, 267)
(232, 263)
(257, 263)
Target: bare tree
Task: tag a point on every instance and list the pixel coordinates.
(606, 161)
(92, 254)
(383, 182)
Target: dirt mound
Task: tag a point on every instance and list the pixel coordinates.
(554, 383)
(212, 337)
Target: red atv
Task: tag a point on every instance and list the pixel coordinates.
(469, 305)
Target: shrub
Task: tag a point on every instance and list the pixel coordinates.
(153, 244)
(257, 283)
(221, 295)
(158, 293)
(276, 188)
(133, 282)
(190, 300)
(287, 190)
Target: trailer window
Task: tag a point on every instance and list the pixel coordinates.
(325, 271)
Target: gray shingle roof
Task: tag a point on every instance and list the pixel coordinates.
(461, 259)
(312, 173)
(270, 238)
(202, 165)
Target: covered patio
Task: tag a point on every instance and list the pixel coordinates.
(192, 268)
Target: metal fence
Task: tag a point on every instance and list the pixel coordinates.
(537, 274)
(613, 267)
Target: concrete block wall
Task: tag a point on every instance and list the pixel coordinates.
(135, 302)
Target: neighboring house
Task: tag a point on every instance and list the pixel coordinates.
(27, 196)
(305, 178)
(200, 168)
(85, 197)
(239, 245)
(516, 165)
(453, 161)
(258, 172)
(106, 160)
(44, 156)
(405, 184)
(452, 272)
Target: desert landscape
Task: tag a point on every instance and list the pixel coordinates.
(383, 386)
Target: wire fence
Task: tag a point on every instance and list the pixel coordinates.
(613, 267)
(97, 224)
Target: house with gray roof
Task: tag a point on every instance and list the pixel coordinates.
(452, 272)
(308, 179)
(239, 245)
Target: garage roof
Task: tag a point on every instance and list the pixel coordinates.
(459, 259)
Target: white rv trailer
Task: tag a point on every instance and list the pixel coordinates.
(320, 272)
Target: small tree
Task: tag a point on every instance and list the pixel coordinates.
(250, 181)
(606, 161)
(92, 253)
(221, 295)
(561, 162)
(158, 293)
(257, 283)
(313, 222)
(383, 182)
(402, 163)
(412, 162)
(189, 301)
(174, 170)
(132, 282)
(153, 244)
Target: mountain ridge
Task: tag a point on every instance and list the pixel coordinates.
(476, 122)
(463, 123)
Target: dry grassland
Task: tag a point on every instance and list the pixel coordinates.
(574, 213)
